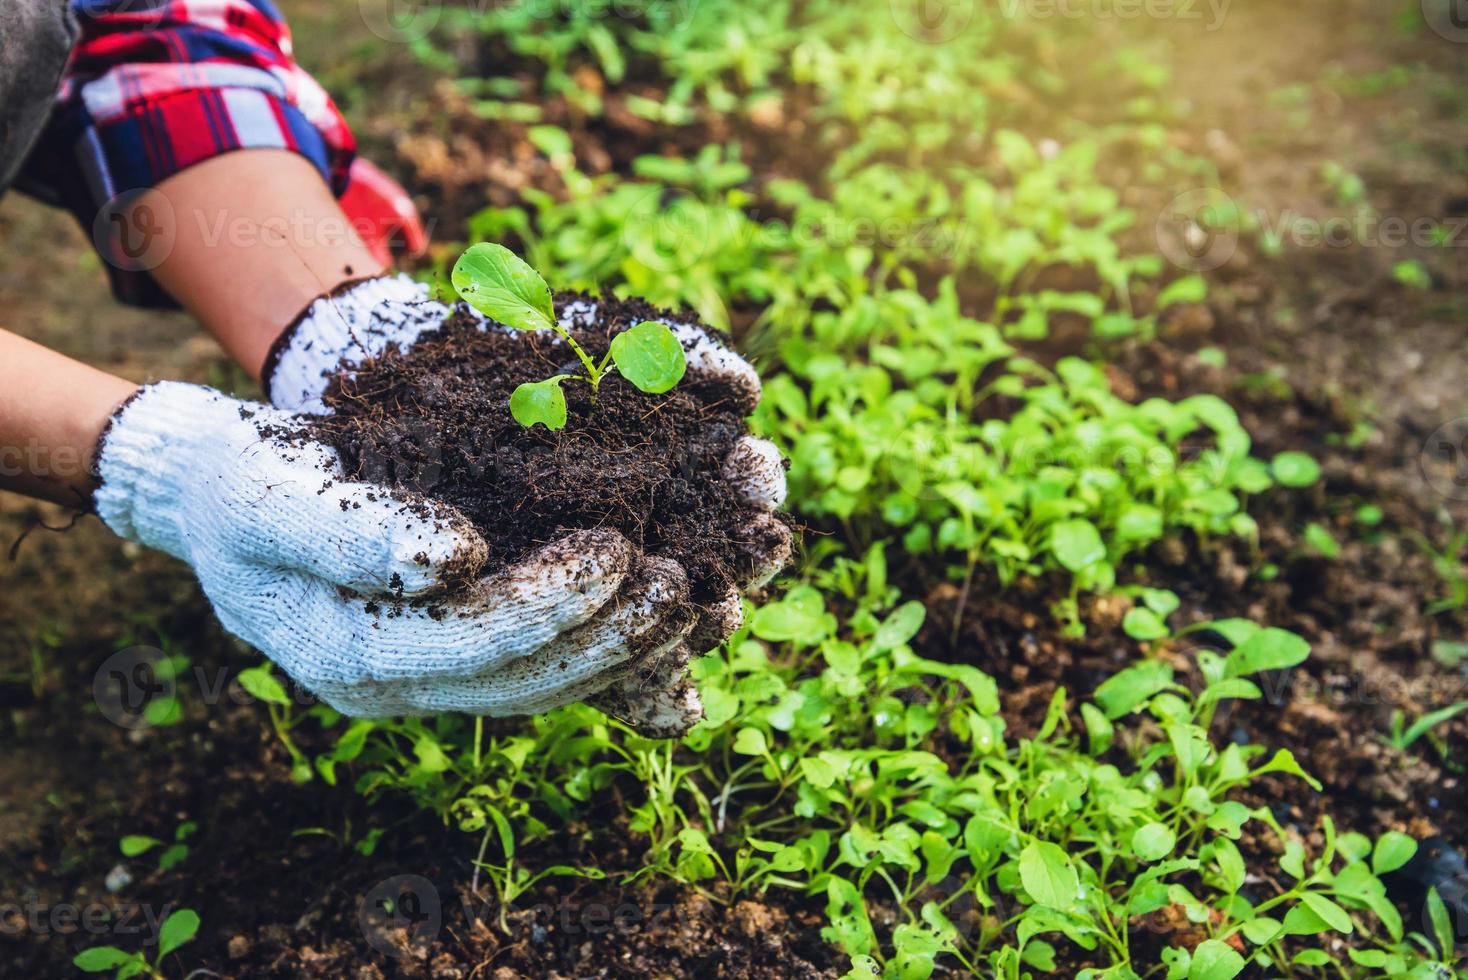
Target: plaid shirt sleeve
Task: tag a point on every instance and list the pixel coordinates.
(156, 86)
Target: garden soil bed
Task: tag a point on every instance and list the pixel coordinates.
(1315, 343)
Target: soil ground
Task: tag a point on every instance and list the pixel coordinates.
(1326, 352)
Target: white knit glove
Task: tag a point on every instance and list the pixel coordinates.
(344, 585)
(339, 332)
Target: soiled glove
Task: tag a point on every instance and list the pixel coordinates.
(340, 332)
(344, 584)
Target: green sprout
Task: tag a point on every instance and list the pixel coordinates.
(499, 284)
(178, 929)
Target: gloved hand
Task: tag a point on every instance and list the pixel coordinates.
(339, 332)
(345, 585)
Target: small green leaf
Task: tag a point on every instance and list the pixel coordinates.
(134, 844)
(1143, 624)
(261, 684)
(1124, 691)
(1047, 874)
(1393, 850)
(101, 958)
(1077, 544)
(750, 741)
(1330, 913)
(178, 929)
(649, 356)
(1293, 469)
(1442, 927)
(540, 401)
(1153, 841)
(498, 283)
(1215, 960)
(1268, 649)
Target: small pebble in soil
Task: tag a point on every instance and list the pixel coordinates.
(117, 879)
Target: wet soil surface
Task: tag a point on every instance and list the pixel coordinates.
(1326, 351)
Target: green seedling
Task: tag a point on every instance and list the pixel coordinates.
(172, 854)
(499, 284)
(178, 929)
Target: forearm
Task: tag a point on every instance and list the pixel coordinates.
(52, 412)
(256, 236)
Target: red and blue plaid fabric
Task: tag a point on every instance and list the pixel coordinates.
(156, 86)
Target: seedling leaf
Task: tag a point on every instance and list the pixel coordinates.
(498, 283)
(1047, 874)
(100, 958)
(178, 929)
(540, 401)
(649, 356)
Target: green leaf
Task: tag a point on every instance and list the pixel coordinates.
(901, 626)
(261, 684)
(750, 741)
(1215, 960)
(498, 283)
(431, 756)
(1330, 913)
(1393, 850)
(134, 844)
(101, 958)
(1294, 469)
(540, 401)
(178, 929)
(1143, 624)
(649, 356)
(1153, 841)
(1442, 927)
(1124, 691)
(1047, 874)
(1284, 761)
(1303, 921)
(1268, 649)
(1077, 544)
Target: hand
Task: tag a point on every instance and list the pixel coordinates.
(340, 332)
(347, 586)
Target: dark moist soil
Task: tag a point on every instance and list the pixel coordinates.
(435, 419)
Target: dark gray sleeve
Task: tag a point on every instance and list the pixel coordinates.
(35, 40)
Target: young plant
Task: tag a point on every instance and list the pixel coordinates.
(172, 854)
(177, 929)
(497, 283)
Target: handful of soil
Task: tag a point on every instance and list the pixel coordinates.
(436, 420)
